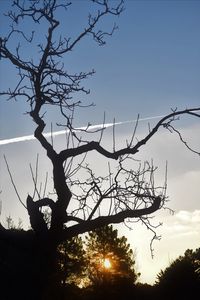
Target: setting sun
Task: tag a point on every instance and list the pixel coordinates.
(107, 263)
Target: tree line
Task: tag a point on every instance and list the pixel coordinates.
(102, 265)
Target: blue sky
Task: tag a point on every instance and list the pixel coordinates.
(150, 65)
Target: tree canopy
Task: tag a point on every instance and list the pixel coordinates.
(99, 258)
(181, 278)
(110, 257)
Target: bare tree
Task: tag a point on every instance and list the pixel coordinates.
(123, 194)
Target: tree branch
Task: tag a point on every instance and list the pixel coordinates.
(90, 146)
(106, 220)
(36, 217)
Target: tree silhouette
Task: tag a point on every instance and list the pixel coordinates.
(72, 262)
(45, 83)
(110, 257)
(181, 278)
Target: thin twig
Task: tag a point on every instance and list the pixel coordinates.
(182, 140)
(134, 131)
(45, 184)
(114, 135)
(51, 134)
(11, 178)
(34, 178)
(102, 130)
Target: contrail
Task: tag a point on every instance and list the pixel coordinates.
(61, 132)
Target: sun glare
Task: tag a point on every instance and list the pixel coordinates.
(107, 263)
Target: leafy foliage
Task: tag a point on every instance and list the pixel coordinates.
(104, 244)
(71, 261)
(82, 260)
(181, 277)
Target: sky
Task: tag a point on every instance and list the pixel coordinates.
(149, 66)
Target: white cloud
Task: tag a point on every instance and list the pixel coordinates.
(182, 223)
(188, 216)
